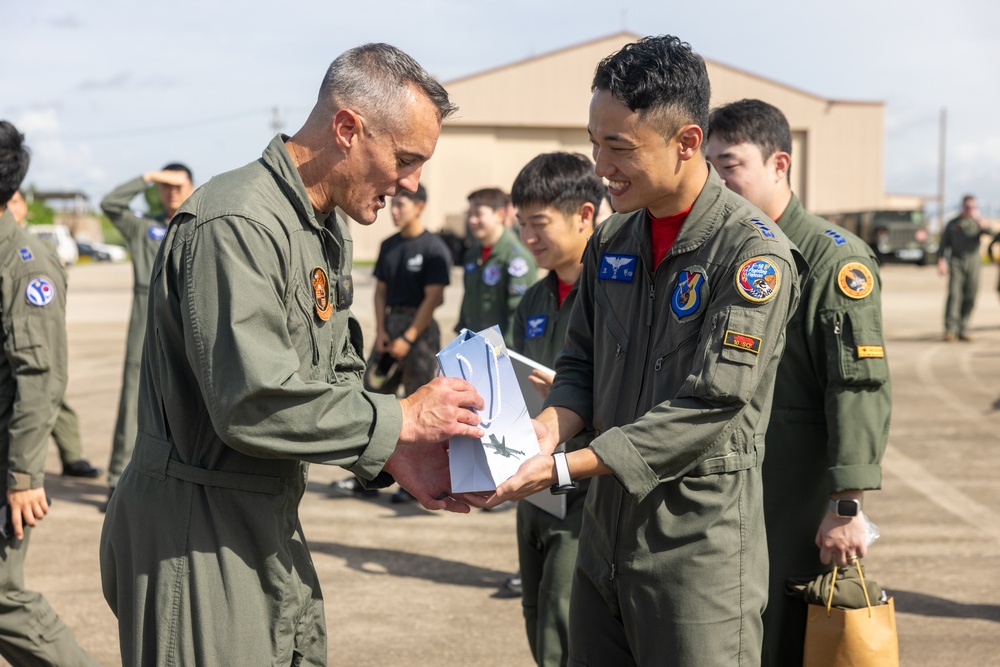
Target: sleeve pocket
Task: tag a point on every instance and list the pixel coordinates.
(29, 339)
(730, 366)
(856, 350)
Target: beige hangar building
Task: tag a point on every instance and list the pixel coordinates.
(509, 114)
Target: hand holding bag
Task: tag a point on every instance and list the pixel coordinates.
(862, 637)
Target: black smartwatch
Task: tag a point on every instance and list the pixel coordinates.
(564, 483)
(846, 508)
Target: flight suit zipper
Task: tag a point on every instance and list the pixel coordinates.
(836, 324)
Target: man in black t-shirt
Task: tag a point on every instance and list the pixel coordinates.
(412, 270)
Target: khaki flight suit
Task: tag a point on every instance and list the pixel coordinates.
(252, 368)
(32, 384)
(675, 370)
(547, 545)
(830, 418)
(143, 236)
(494, 288)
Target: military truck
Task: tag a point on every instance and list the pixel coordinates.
(899, 235)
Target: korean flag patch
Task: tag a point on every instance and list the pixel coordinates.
(40, 292)
(536, 326)
(620, 268)
(157, 232)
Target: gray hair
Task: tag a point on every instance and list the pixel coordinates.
(375, 79)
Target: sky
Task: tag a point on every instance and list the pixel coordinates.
(108, 89)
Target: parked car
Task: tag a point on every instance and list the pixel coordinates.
(59, 238)
(899, 235)
(101, 252)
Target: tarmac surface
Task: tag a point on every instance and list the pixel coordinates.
(404, 586)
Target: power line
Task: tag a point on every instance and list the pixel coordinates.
(135, 132)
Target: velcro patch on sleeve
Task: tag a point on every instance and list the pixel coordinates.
(742, 341)
(871, 352)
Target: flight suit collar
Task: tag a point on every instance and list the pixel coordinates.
(277, 158)
(7, 227)
(505, 241)
(706, 215)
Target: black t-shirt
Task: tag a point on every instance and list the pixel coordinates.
(407, 266)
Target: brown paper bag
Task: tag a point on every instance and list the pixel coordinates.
(863, 637)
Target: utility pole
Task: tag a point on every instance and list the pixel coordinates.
(941, 164)
(276, 122)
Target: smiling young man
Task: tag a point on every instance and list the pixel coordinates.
(832, 401)
(498, 269)
(252, 370)
(557, 196)
(671, 355)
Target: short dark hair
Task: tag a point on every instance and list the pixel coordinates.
(660, 77)
(178, 166)
(374, 79)
(14, 160)
(494, 198)
(419, 196)
(752, 122)
(564, 181)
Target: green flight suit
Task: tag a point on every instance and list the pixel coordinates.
(66, 433)
(960, 245)
(546, 545)
(494, 288)
(252, 368)
(32, 384)
(830, 419)
(675, 370)
(143, 236)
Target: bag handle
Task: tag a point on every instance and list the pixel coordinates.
(864, 588)
(494, 354)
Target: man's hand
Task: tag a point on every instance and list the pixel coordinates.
(177, 178)
(942, 266)
(840, 539)
(439, 410)
(27, 508)
(534, 475)
(399, 348)
(423, 471)
(382, 342)
(541, 381)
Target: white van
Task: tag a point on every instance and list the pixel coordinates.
(59, 238)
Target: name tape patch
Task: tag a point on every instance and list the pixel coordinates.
(742, 341)
(871, 352)
(536, 326)
(620, 268)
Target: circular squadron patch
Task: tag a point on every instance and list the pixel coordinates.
(491, 275)
(855, 280)
(40, 292)
(758, 280)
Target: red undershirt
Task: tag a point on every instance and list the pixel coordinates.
(564, 290)
(486, 253)
(664, 232)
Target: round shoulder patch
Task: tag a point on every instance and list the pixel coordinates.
(40, 291)
(517, 267)
(491, 275)
(758, 280)
(855, 280)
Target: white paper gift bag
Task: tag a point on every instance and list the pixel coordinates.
(479, 465)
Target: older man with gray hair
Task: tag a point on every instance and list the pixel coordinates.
(252, 369)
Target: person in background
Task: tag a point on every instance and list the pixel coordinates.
(557, 197)
(32, 385)
(66, 431)
(143, 234)
(498, 268)
(958, 258)
(832, 397)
